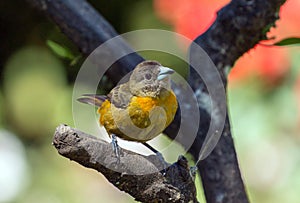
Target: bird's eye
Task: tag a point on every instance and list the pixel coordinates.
(148, 76)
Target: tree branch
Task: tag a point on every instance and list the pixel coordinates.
(238, 27)
(87, 29)
(135, 174)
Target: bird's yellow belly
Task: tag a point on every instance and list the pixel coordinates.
(142, 120)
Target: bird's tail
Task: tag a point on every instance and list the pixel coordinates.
(92, 99)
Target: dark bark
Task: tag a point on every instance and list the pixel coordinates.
(135, 174)
(239, 26)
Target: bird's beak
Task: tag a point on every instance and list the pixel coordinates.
(164, 72)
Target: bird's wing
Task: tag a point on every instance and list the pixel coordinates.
(92, 99)
(120, 96)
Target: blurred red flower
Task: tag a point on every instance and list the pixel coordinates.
(193, 17)
(189, 18)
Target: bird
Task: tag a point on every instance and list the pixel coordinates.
(139, 109)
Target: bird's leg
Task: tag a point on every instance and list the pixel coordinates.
(159, 155)
(115, 147)
(193, 171)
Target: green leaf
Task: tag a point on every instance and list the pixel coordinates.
(60, 50)
(75, 60)
(288, 41)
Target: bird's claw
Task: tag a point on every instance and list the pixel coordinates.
(193, 171)
(162, 160)
(115, 147)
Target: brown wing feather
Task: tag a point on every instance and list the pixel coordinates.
(120, 96)
(92, 99)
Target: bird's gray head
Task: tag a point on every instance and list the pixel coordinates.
(149, 78)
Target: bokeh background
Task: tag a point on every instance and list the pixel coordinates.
(38, 66)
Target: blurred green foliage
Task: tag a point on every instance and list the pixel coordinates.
(61, 51)
(34, 82)
(141, 16)
(265, 125)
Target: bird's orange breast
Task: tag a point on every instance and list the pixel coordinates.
(139, 112)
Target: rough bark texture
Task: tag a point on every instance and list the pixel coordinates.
(239, 26)
(149, 185)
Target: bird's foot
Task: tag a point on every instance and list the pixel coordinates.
(193, 171)
(115, 147)
(160, 157)
(164, 163)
